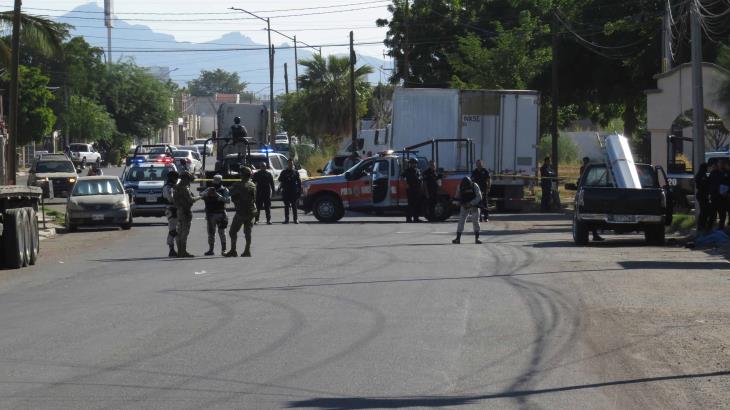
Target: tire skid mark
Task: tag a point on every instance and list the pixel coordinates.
(298, 322)
(226, 317)
(377, 328)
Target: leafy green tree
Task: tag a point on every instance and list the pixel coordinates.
(325, 99)
(88, 121)
(35, 118)
(723, 60)
(138, 102)
(40, 33)
(217, 81)
(380, 105)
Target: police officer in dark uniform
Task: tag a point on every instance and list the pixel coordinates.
(546, 183)
(431, 176)
(238, 132)
(483, 179)
(413, 179)
(264, 189)
(291, 189)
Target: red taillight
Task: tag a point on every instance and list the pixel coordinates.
(165, 160)
(188, 161)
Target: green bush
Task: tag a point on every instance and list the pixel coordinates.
(568, 151)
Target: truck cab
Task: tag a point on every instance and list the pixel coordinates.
(373, 185)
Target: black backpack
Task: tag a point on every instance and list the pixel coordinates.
(467, 193)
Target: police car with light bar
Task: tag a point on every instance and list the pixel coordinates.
(146, 180)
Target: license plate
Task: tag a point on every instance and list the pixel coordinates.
(623, 218)
(97, 217)
(151, 198)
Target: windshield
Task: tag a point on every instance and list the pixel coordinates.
(181, 154)
(647, 176)
(97, 187)
(54, 166)
(201, 142)
(79, 147)
(157, 150)
(147, 174)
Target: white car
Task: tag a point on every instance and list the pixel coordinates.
(188, 160)
(84, 153)
(200, 143)
(275, 161)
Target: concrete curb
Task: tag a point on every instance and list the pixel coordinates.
(48, 233)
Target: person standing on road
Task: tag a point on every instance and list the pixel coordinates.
(483, 179)
(184, 200)
(583, 166)
(546, 184)
(264, 190)
(716, 195)
(243, 195)
(702, 184)
(413, 179)
(171, 212)
(216, 197)
(469, 196)
(431, 176)
(291, 189)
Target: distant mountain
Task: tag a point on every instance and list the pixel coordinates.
(252, 65)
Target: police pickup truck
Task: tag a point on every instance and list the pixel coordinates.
(599, 204)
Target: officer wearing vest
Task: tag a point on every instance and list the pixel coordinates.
(483, 179)
(238, 132)
(243, 195)
(264, 189)
(431, 176)
(171, 211)
(468, 196)
(216, 197)
(291, 190)
(413, 179)
(184, 200)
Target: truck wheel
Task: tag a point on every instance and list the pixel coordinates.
(27, 240)
(580, 232)
(69, 226)
(128, 225)
(35, 243)
(328, 208)
(13, 239)
(441, 210)
(655, 235)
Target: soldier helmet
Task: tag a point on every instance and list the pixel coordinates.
(245, 172)
(172, 176)
(217, 178)
(237, 120)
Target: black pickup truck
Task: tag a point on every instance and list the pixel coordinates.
(600, 205)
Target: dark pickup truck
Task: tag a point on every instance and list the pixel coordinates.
(600, 205)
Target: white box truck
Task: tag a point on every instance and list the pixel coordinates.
(503, 124)
(253, 116)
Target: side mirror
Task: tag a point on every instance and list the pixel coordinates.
(571, 187)
(348, 175)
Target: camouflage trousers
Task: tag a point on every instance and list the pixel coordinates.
(245, 221)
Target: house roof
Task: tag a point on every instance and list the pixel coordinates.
(689, 65)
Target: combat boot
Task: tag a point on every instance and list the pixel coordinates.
(172, 253)
(230, 254)
(247, 251)
(476, 238)
(210, 252)
(458, 238)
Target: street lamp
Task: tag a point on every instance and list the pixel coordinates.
(271, 71)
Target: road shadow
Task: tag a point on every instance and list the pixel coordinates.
(530, 217)
(355, 403)
(155, 258)
(609, 243)
(681, 265)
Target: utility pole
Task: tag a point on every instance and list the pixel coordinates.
(12, 154)
(286, 80)
(296, 65)
(698, 105)
(272, 126)
(406, 46)
(554, 97)
(666, 39)
(353, 95)
(108, 12)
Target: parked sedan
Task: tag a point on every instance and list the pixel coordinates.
(99, 201)
(188, 161)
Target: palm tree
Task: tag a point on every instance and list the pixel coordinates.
(326, 82)
(44, 35)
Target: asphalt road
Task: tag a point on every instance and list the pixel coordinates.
(366, 313)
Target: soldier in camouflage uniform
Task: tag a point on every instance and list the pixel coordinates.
(243, 195)
(183, 200)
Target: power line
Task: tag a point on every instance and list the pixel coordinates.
(205, 13)
(242, 30)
